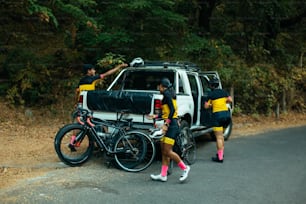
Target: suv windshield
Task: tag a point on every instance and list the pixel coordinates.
(142, 80)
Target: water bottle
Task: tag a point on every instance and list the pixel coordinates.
(102, 135)
(100, 132)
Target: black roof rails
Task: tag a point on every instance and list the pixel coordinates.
(180, 64)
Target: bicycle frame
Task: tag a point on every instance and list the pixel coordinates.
(89, 126)
(131, 150)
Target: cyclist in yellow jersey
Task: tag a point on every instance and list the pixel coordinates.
(88, 82)
(217, 100)
(170, 130)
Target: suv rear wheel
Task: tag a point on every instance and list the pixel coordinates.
(228, 131)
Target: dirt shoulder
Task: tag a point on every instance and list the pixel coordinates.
(26, 148)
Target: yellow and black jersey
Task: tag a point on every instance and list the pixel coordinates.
(88, 83)
(218, 98)
(169, 106)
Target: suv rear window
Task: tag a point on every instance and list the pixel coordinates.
(141, 80)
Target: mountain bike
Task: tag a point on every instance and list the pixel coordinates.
(131, 149)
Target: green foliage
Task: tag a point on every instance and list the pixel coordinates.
(43, 12)
(141, 27)
(256, 46)
(109, 61)
(211, 53)
(253, 29)
(30, 86)
(77, 10)
(237, 110)
(261, 90)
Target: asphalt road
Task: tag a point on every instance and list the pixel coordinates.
(266, 168)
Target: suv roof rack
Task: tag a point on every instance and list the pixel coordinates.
(184, 65)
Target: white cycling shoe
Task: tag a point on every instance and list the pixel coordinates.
(159, 177)
(185, 174)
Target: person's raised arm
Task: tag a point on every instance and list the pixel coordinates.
(114, 70)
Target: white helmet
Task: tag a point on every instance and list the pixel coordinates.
(137, 62)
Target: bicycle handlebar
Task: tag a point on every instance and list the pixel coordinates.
(80, 114)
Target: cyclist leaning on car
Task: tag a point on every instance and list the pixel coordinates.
(217, 100)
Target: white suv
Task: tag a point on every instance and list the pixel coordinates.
(135, 89)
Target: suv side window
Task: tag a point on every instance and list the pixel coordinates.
(193, 85)
(195, 94)
(205, 85)
(181, 87)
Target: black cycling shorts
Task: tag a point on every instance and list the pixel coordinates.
(173, 129)
(221, 119)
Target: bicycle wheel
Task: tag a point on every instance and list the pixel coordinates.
(80, 151)
(187, 146)
(134, 151)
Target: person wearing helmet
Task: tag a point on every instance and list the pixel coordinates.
(217, 100)
(170, 130)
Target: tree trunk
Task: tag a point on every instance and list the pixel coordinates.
(284, 104)
(277, 111)
(206, 9)
(73, 34)
(232, 95)
(301, 59)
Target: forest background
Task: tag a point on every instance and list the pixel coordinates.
(257, 47)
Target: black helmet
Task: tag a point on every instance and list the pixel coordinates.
(214, 82)
(165, 82)
(87, 67)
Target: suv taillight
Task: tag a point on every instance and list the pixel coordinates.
(157, 106)
(80, 102)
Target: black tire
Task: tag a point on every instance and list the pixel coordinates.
(83, 148)
(135, 151)
(188, 144)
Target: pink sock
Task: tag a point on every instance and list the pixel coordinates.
(72, 139)
(164, 170)
(220, 154)
(182, 165)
